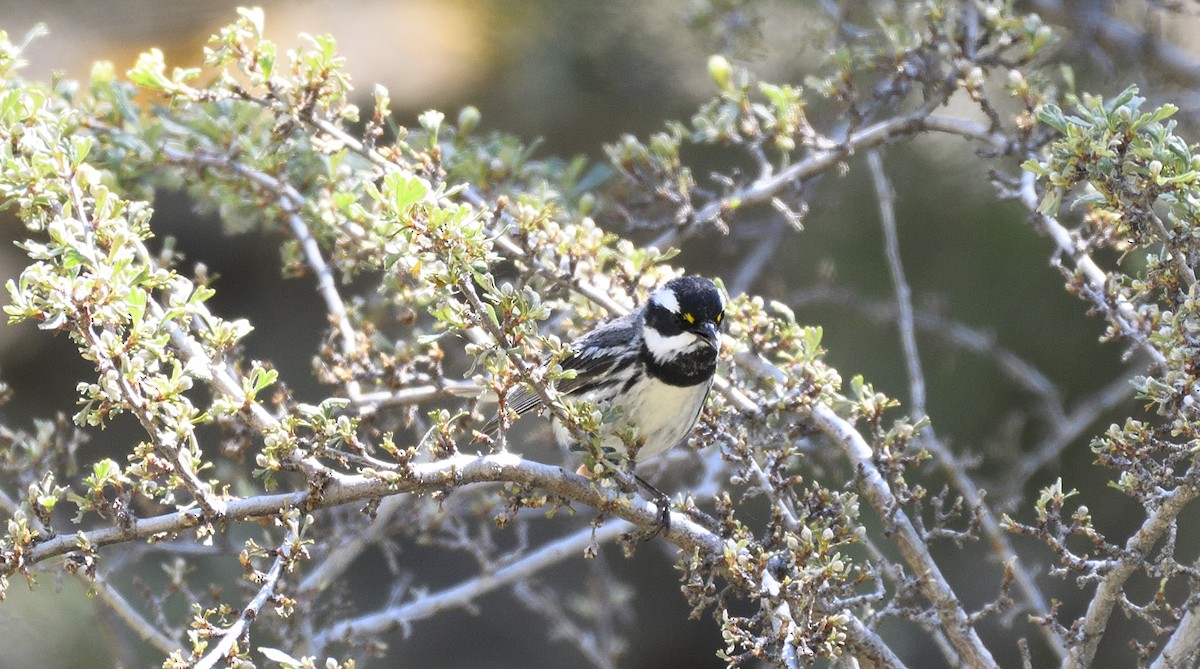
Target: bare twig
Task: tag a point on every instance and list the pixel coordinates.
(916, 378)
(955, 333)
(560, 625)
(1090, 628)
(112, 598)
(1066, 430)
(443, 389)
(345, 551)
(904, 309)
(767, 187)
(233, 634)
(770, 184)
(425, 606)
(291, 203)
(758, 260)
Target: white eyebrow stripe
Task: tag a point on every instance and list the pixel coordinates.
(666, 299)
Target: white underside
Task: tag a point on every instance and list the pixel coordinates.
(662, 415)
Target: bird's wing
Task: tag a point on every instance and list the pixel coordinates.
(593, 357)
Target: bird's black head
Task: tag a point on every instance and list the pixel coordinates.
(684, 318)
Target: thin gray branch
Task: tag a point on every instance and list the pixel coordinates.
(380, 622)
(758, 260)
(1020, 372)
(291, 202)
(112, 598)
(904, 309)
(1067, 430)
(443, 389)
(765, 188)
(343, 552)
(769, 184)
(949, 461)
(233, 634)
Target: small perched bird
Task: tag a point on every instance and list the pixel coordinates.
(655, 365)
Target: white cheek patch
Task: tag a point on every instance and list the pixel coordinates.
(665, 349)
(666, 299)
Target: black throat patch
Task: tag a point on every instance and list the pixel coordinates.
(689, 369)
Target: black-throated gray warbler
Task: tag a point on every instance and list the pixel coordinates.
(654, 366)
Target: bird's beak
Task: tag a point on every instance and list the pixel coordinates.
(709, 333)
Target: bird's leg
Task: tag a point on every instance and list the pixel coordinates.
(662, 503)
(622, 476)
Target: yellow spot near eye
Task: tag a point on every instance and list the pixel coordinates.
(689, 318)
(720, 317)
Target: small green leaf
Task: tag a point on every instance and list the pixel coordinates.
(404, 191)
(1052, 116)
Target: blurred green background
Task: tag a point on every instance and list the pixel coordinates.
(577, 74)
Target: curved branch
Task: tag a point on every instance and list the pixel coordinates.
(116, 602)
(770, 184)
(956, 334)
(291, 203)
(441, 475)
(425, 606)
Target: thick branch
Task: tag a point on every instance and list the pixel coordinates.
(421, 478)
(1090, 628)
(951, 615)
(1182, 645)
